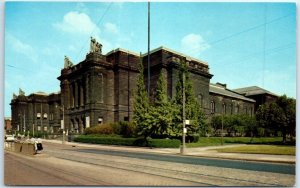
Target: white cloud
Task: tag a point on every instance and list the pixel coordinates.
(111, 28)
(21, 47)
(193, 44)
(77, 23)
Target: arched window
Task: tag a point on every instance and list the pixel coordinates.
(200, 99)
(224, 108)
(212, 107)
(237, 109)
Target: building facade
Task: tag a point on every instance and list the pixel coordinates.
(167, 61)
(101, 89)
(98, 89)
(37, 111)
(228, 102)
(7, 124)
(260, 95)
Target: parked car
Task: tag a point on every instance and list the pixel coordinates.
(9, 138)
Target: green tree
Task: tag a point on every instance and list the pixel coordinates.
(162, 110)
(278, 116)
(141, 107)
(192, 108)
(288, 106)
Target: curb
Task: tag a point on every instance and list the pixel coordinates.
(177, 153)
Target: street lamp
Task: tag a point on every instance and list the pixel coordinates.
(223, 110)
(62, 123)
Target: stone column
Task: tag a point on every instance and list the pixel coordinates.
(80, 126)
(76, 94)
(71, 94)
(87, 80)
(81, 93)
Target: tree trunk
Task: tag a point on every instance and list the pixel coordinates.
(283, 136)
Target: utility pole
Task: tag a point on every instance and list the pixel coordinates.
(148, 48)
(63, 109)
(42, 116)
(128, 86)
(62, 122)
(222, 124)
(183, 113)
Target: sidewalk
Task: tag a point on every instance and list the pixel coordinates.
(209, 152)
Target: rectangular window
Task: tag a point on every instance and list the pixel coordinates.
(212, 107)
(224, 108)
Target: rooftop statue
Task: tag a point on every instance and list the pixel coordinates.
(14, 96)
(68, 63)
(21, 92)
(95, 47)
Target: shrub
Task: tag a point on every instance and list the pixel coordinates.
(128, 129)
(100, 129)
(105, 140)
(116, 128)
(157, 143)
(124, 128)
(192, 138)
(164, 143)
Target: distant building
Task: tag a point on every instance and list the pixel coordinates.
(7, 124)
(229, 102)
(167, 61)
(37, 111)
(260, 95)
(101, 89)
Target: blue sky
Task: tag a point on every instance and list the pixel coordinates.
(245, 44)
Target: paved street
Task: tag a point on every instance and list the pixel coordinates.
(95, 165)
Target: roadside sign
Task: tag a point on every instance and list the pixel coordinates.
(184, 130)
(62, 124)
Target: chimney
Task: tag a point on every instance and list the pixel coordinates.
(222, 85)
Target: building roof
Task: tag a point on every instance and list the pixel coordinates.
(40, 93)
(122, 50)
(253, 90)
(222, 90)
(174, 52)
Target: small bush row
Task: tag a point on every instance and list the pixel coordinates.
(124, 128)
(156, 143)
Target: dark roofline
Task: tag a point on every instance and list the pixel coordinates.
(246, 90)
(223, 86)
(174, 52)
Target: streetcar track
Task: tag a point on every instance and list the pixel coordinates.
(70, 174)
(111, 166)
(189, 174)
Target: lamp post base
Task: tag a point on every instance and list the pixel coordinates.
(182, 149)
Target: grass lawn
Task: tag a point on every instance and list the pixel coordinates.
(261, 149)
(216, 141)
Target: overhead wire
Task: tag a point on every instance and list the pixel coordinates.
(269, 51)
(249, 29)
(15, 67)
(98, 22)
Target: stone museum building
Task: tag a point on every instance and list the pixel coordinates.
(101, 89)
